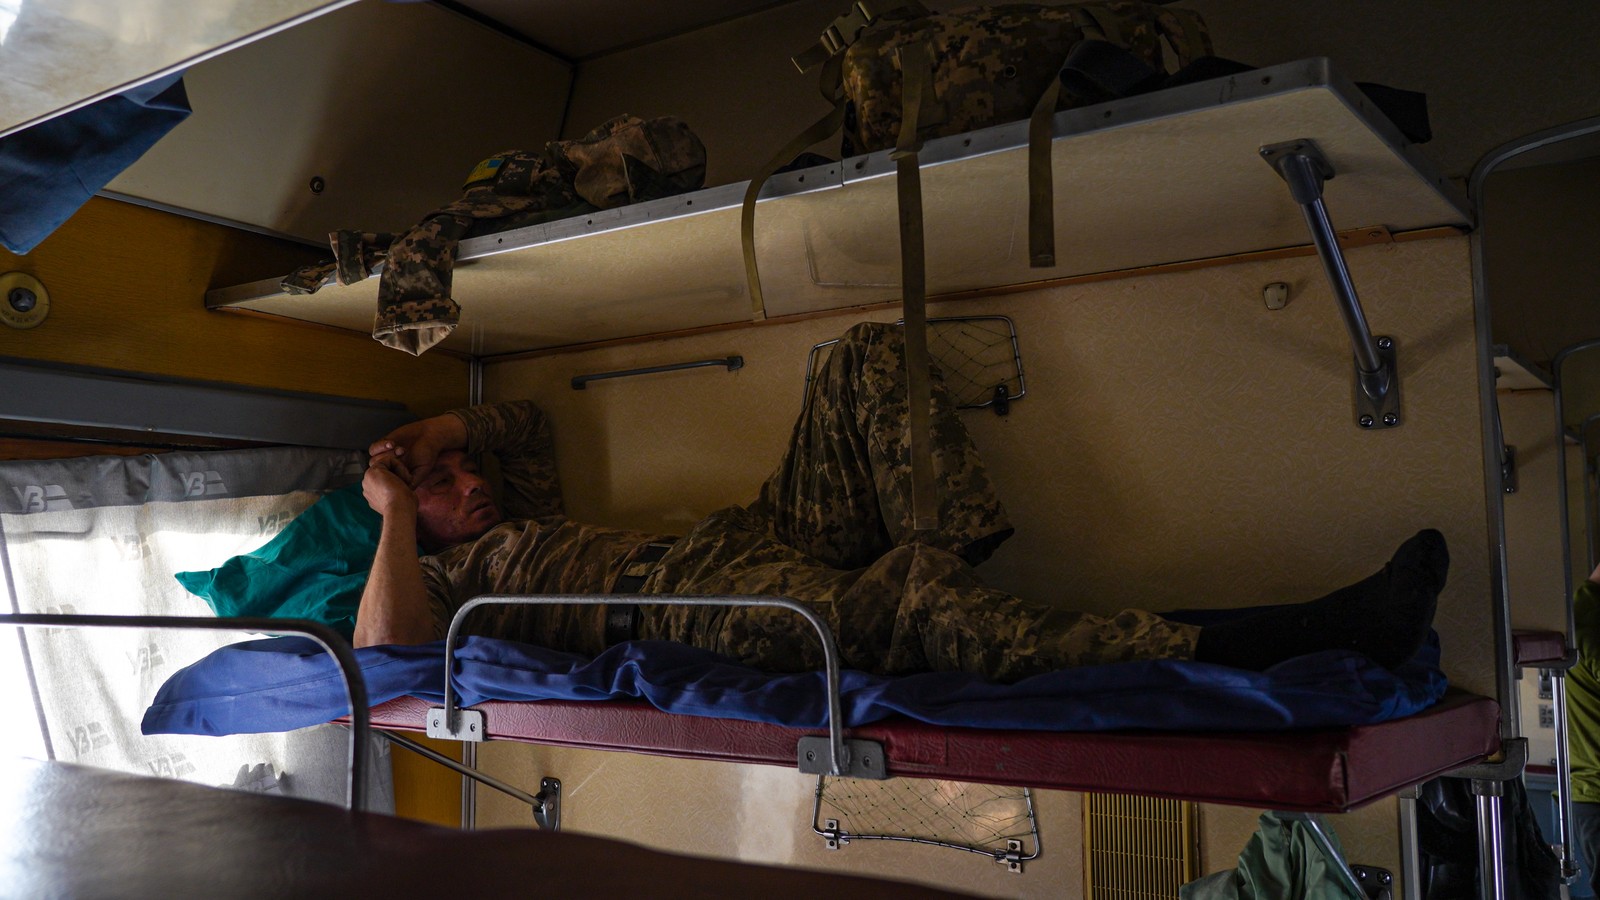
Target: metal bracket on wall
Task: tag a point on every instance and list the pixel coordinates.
(1506, 765)
(864, 758)
(1380, 410)
(1304, 169)
(1508, 468)
(1375, 883)
(464, 725)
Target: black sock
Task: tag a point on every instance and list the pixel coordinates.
(1385, 616)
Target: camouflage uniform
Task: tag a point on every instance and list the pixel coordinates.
(991, 64)
(831, 528)
(624, 160)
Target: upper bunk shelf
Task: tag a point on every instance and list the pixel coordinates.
(62, 54)
(1162, 178)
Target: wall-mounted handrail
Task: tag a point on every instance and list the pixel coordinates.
(332, 643)
(1303, 167)
(733, 363)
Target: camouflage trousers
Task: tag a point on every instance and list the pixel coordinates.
(832, 528)
(624, 160)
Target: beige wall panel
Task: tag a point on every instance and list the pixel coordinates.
(658, 452)
(392, 104)
(761, 814)
(1180, 445)
(126, 286)
(1211, 441)
(1537, 585)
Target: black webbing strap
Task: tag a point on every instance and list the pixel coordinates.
(916, 79)
(622, 619)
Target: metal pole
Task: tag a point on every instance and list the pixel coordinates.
(1305, 175)
(1558, 697)
(838, 765)
(334, 645)
(1410, 845)
(465, 771)
(1491, 840)
(1377, 383)
(469, 786)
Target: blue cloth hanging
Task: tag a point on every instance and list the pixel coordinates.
(49, 170)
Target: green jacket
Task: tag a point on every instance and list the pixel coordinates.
(1280, 862)
(1583, 697)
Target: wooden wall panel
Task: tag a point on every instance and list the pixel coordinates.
(127, 287)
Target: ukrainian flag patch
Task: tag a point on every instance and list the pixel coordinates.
(485, 171)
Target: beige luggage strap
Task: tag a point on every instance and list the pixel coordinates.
(818, 130)
(916, 79)
(829, 53)
(1096, 23)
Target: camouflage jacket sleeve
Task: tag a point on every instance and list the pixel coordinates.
(518, 434)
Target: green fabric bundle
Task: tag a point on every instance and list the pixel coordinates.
(314, 569)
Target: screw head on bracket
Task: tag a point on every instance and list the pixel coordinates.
(1365, 421)
(1385, 343)
(1391, 420)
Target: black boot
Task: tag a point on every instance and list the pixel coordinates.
(1386, 616)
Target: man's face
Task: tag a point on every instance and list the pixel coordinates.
(453, 503)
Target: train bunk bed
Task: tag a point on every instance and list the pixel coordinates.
(1328, 732)
(1232, 170)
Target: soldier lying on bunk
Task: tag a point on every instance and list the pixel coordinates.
(831, 528)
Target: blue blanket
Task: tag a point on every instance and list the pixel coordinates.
(49, 170)
(278, 684)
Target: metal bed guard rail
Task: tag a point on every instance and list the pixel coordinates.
(834, 756)
(334, 645)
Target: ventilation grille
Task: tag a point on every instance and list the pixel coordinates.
(1137, 848)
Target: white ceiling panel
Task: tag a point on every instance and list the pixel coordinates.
(58, 55)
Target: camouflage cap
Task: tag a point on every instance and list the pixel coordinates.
(628, 159)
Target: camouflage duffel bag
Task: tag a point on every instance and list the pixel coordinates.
(993, 64)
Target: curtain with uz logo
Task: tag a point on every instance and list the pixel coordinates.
(103, 535)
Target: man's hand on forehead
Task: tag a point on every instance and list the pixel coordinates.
(387, 485)
(420, 443)
(389, 460)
